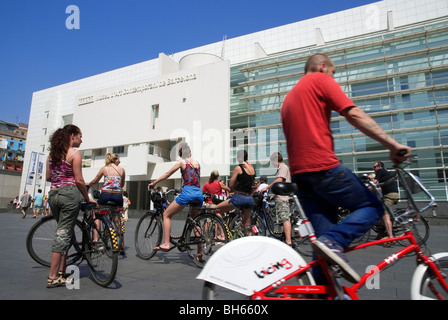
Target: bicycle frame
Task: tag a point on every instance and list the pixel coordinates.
(294, 292)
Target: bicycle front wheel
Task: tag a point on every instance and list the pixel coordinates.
(424, 284)
(148, 235)
(206, 234)
(102, 255)
(257, 226)
(40, 238)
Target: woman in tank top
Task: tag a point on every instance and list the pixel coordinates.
(191, 191)
(112, 188)
(64, 171)
(114, 179)
(242, 181)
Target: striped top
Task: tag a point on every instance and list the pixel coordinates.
(62, 173)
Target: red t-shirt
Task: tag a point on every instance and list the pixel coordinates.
(306, 114)
(213, 188)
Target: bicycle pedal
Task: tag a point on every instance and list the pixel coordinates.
(335, 270)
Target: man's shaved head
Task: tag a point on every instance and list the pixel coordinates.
(313, 63)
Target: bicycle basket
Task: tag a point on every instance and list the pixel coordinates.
(216, 199)
(258, 199)
(96, 194)
(156, 197)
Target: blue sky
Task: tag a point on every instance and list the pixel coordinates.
(37, 51)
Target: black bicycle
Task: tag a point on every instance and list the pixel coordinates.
(95, 240)
(266, 212)
(203, 233)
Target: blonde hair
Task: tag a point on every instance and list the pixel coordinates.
(111, 158)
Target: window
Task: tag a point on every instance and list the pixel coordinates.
(155, 115)
(117, 150)
(67, 119)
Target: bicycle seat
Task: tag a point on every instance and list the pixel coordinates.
(111, 204)
(194, 203)
(87, 206)
(284, 189)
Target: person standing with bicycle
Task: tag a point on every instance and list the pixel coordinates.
(191, 191)
(324, 183)
(64, 171)
(390, 195)
(282, 209)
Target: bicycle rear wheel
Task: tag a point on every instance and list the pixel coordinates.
(419, 228)
(211, 291)
(204, 236)
(40, 238)
(102, 256)
(148, 235)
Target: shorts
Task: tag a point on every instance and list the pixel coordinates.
(116, 197)
(282, 211)
(188, 194)
(64, 204)
(391, 199)
(242, 202)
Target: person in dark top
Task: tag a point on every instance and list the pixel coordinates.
(390, 194)
(242, 181)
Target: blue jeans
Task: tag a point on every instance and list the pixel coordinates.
(322, 193)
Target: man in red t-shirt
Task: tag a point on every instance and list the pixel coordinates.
(324, 183)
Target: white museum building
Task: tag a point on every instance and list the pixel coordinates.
(227, 95)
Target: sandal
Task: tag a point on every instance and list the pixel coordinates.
(64, 275)
(387, 244)
(54, 283)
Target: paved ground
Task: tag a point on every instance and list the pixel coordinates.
(168, 276)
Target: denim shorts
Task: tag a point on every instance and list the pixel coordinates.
(116, 197)
(242, 202)
(188, 194)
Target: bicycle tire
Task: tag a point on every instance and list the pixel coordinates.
(274, 229)
(148, 235)
(424, 285)
(116, 217)
(102, 257)
(255, 221)
(419, 228)
(40, 238)
(211, 291)
(213, 233)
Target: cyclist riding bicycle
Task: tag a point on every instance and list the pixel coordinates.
(324, 183)
(112, 188)
(114, 179)
(191, 191)
(214, 187)
(242, 180)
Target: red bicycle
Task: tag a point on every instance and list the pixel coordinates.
(267, 269)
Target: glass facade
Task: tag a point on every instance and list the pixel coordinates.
(400, 78)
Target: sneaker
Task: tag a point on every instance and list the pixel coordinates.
(334, 255)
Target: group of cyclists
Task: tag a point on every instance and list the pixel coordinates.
(324, 184)
(241, 184)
